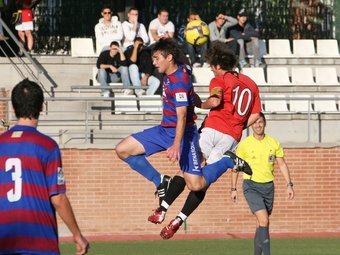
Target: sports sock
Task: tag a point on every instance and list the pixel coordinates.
(140, 164)
(213, 171)
(193, 201)
(264, 240)
(257, 245)
(176, 187)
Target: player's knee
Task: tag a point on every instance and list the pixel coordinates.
(121, 151)
(264, 222)
(194, 185)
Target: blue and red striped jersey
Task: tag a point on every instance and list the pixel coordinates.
(178, 91)
(30, 173)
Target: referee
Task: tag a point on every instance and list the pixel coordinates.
(261, 151)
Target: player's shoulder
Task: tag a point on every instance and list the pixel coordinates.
(45, 140)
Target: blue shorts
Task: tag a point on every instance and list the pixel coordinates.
(160, 138)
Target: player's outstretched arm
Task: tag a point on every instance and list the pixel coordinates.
(64, 209)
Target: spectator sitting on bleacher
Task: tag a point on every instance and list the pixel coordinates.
(112, 67)
(247, 38)
(141, 68)
(219, 31)
(161, 27)
(132, 29)
(107, 30)
(188, 48)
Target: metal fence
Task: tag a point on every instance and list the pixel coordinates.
(56, 21)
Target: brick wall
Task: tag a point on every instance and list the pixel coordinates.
(111, 199)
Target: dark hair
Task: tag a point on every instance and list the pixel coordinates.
(106, 7)
(138, 39)
(132, 9)
(114, 43)
(263, 117)
(162, 10)
(27, 99)
(166, 47)
(191, 12)
(219, 54)
(219, 12)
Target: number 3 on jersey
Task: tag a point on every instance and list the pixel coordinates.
(15, 164)
(239, 97)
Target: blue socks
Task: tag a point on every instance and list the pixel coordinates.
(213, 171)
(140, 164)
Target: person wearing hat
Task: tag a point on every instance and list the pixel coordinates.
(248, 39)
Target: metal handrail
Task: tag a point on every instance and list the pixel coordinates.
(37, 66)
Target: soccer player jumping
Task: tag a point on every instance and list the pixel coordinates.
(177, 133)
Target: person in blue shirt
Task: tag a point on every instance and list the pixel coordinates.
(32, 183)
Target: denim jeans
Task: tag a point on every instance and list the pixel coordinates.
(191, 50)
(135, 76)
(104, 78)
(251, 46)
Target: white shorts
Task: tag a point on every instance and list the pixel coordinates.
(25, 26)
(214, 144)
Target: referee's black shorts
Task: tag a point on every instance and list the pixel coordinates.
(259, 195)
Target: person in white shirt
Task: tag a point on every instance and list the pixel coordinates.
(161, 27)
(133, 29)
(107, 30)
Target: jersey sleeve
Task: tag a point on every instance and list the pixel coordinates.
(279, 153)
(54, 172)
(181, 94)
(257, 101)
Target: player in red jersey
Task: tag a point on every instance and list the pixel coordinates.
(32, 183)
(234, 104)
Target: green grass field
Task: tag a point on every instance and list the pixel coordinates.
(279, 246)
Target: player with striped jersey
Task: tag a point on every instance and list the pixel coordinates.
(32, 183)
(177, 134)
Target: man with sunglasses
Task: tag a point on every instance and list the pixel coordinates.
(107, 30)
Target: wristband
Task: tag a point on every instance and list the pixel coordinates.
(290, 184)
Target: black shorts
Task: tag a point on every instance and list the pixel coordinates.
(259, 195)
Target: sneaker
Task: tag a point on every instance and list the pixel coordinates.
(239, 164)
(243, 64)
(128, 92)
(259, 64)
(140, 93)
(169, 231)
(163, 187)
(105, 94)
(157, 217)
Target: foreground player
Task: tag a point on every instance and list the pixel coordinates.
(177, 133)
(32, 184)
(235, 104)
(261, 151)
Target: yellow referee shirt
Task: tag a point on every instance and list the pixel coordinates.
(261, 156)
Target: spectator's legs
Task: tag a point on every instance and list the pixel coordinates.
(21, 35)
(153, 84)
(242, 56)
(124, 75)
(255, 46)
(191, 52)
(135, 78)
(102, 78)
(203, 48)
(29, 36)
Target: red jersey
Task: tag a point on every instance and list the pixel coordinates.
(240, 99)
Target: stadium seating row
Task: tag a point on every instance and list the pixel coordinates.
(303, 48)
(83, 47)
(300, 76)
(300, 104)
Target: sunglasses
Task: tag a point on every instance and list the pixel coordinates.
(106, 12)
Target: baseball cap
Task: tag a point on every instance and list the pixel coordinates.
(242, 13)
